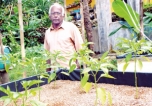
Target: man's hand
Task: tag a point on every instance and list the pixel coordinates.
(48, 62)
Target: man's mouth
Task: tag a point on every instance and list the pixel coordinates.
(55, 20)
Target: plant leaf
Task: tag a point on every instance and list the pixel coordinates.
(7, 101)
(125, 67)
(109, 99)
(52, 77)
(148, 14)
(87, 87)
(105, 70)
(86, 70)
(84, 79)
(104, 55)
(128, 57)
(101, 93)
(72, 67)
(107, 76)
(113, 32)
(139, 64)
(125, 11)
(65, 73)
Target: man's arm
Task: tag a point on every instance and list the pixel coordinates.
(76, 37)
(46, 47)
(78, 41)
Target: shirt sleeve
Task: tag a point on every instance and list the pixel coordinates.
(46, 45)
(76, 37)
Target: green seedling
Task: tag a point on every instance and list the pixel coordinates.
(131, 46)
(91, 67)
(137, 48)
(13, 97)
(54, 65)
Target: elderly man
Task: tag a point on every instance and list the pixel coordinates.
(62, 36)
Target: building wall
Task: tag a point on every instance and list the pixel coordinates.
(68, 2)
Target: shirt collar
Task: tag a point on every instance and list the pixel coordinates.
(62, 26)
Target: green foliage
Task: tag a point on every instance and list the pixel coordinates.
(133, 47)
(35, 51)
(35, 20)
(13, 44)
(54, 57)
(69, 18)
(125, 11)
(93, 66)
(13, 97)
(34, 63)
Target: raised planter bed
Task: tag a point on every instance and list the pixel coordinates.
(127, 78)
(69, 93)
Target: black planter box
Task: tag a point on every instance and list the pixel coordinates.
(127, 78)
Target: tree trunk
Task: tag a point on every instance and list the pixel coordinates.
(87, 23)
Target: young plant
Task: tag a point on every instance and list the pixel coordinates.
(133, 46)
(92, 68)
(134, 49)
(95, 65)
(13, 97)
(54, 57)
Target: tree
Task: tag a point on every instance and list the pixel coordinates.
(87, 23)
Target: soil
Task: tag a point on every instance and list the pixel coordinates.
(69, 93)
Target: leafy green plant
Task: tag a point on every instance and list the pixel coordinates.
(34, 63)
(35, 20)
(54, 57)
(13, 97)
(134, 49)
(93, 66)
(131, 46)
(129, 15)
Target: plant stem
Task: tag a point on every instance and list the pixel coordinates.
(39, 87)
(15, 103)
(15, 86)
(95, 81)
(136, 79)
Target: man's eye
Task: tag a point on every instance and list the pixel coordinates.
(57, 13)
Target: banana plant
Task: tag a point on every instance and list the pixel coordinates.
(123, 10)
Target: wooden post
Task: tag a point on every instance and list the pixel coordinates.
(21, 32)
(104, 19)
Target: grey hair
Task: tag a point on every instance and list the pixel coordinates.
(57, 5)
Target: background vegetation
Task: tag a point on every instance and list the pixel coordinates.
(35, 19)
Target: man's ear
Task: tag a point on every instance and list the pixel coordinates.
(64, 17)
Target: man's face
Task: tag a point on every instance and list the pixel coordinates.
(56, 15)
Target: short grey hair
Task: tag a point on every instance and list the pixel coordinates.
(57, 5)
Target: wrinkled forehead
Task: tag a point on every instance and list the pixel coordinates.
(56, 8)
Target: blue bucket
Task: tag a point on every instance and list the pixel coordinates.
(7, 50)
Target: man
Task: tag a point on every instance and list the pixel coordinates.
(62, 36)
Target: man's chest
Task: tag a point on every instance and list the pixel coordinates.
(59, 36)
